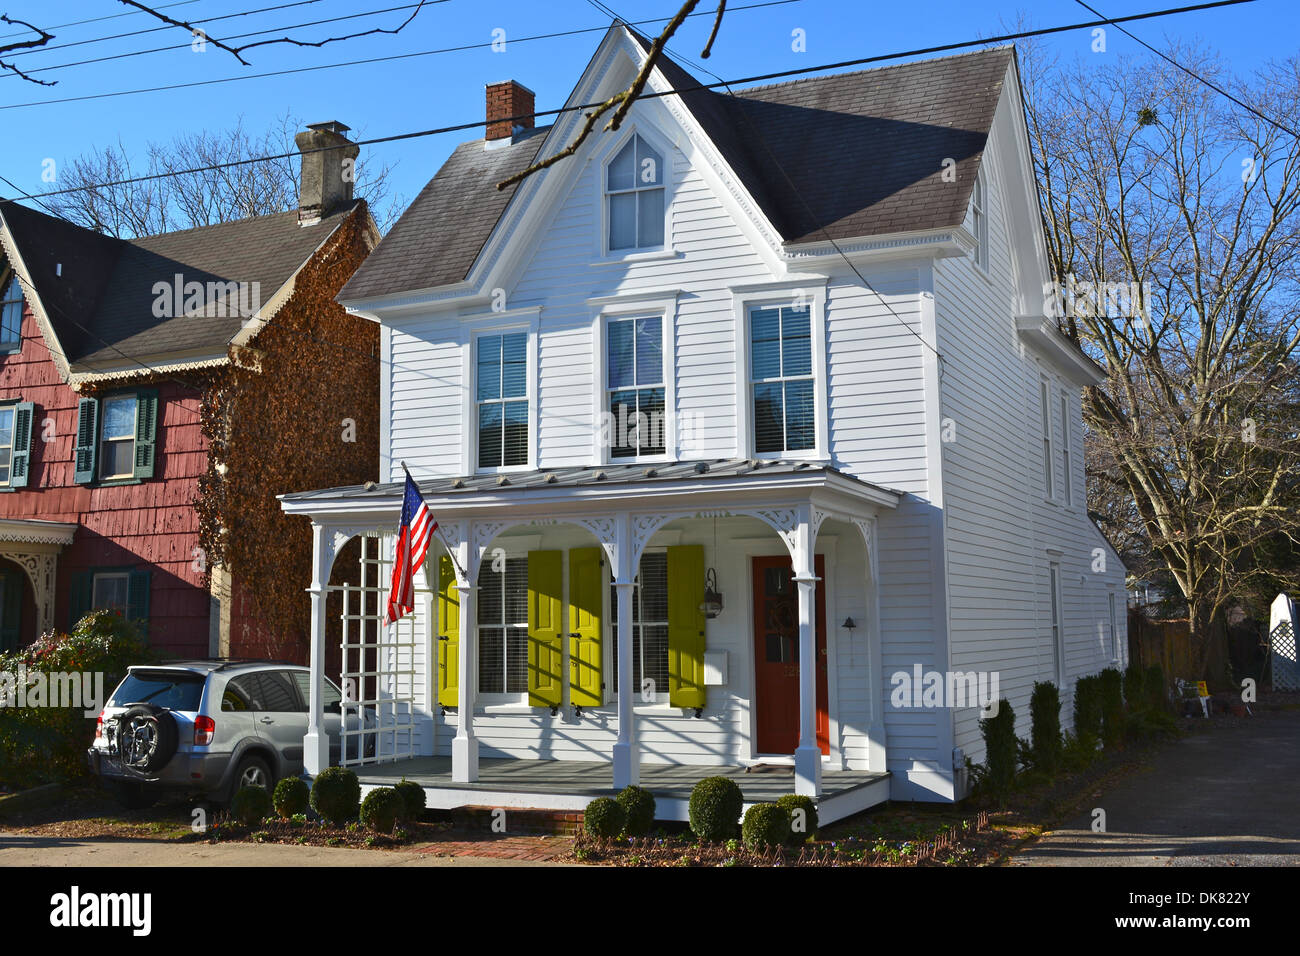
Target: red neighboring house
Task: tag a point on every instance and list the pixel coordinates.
(106, 348)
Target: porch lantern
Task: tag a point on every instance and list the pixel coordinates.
(712, 603)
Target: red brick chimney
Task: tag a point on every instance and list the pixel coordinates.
(506, 100)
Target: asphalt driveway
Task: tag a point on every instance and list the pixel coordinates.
(1224, 795)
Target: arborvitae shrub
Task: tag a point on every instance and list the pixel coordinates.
(1110, 683)
(1045, 726)
(1135, 695)
(999, 732)
(1087, 711)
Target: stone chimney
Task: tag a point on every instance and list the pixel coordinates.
(328, 174)
(506, 100)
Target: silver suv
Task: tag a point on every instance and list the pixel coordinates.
(209, 727)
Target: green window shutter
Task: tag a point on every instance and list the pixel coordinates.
(448, 634)
(586, 597)
(137, 599)
(79, 599)
(545, 651)
(686, 625)
(22, 454)
(11, 618)
(87, 438)
(146, 431)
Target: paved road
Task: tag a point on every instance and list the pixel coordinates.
(1223, 796)
(17, 849)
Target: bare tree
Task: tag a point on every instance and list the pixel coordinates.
(1153, 183)
(199, 179)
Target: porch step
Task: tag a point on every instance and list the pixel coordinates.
(518, 821)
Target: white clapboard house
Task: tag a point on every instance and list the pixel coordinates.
(736, 423)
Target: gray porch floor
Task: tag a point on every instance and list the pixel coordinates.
(571, 784)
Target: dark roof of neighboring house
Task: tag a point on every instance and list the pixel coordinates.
(582, 475)
(98, 291)
(863, 150)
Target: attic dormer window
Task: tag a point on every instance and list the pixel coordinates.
(980, 223)
(634, 195)
(11, 315)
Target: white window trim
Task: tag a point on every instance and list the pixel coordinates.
(512, 320)
(979, 201)
(13, 410)
(101, 439)
(98, 576)
(499, 702)
(601, 160)
(1055, 587)
(626, 307)
(1045, 417)
(1114, 628)
(1067, 464)
(745, 299)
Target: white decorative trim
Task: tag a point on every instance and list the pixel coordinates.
(28, 531)
(40, 568)
(605, 531)
(482, 533)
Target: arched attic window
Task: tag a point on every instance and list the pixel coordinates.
(11, 310)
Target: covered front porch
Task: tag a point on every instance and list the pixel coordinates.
(792, 546)
(514, 783)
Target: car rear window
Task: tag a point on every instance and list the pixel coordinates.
(171, 689)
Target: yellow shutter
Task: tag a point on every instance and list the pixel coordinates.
(686, 625)
(448, 634)
(545, 651)
(586, 599)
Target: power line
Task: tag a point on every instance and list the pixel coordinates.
(783, 74)
(1196, 76)
(237, 36)
(378, 59)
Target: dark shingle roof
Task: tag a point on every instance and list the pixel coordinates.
(438, 237)
(863, 150)
(101, 304)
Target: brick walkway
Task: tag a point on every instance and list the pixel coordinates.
(499, 847)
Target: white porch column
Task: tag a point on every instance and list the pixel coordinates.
(627, 759)
(316, 744)
(807, 756)
(464, 746)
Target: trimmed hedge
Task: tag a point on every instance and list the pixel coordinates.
(765, 825)
(251, 805)
(604, 818)
(714, 809)
(1046, 747)
(1110, 683)
(1135, 694)
(413, 799)
(1154, 685)
(638, 808)
(336, 795)
(291, 797)
(382, 808)
(803, 817)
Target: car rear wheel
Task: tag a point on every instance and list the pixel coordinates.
(253, 772)
(133, 796)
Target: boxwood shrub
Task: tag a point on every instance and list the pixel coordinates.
(336, 795)
(291, 797)
(639, 807)
(714, 809)
(381, 809)
(803, 817)
(766, 825)
(251, 805)
(413, 799)
(604, 818)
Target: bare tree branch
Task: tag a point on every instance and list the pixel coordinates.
(43, 38)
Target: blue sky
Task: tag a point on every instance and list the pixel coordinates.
(447, 88)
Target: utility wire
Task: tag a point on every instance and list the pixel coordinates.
(1194, 75)
(763, 77)
(111, 16)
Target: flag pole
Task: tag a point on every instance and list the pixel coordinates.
(451, 553)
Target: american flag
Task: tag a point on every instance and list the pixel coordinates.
(412, 545)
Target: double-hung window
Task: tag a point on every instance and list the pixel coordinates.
(1067, 491)
(782, 387)
(503, 627)
(502, 396)
(980, 223)
(1054, 581)
(1048, 463)
(634, 197)
(116, 437)
(11, 316)
(649, 627)
(635, 393)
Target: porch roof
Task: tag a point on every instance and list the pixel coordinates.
(592, 482)
(36, 531)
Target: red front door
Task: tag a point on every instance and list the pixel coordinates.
(776, 658)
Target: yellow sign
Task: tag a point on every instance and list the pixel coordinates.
(1201, 689)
